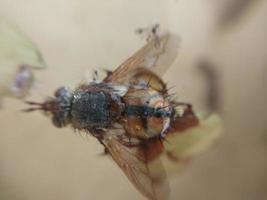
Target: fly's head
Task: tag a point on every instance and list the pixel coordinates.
(58, 106)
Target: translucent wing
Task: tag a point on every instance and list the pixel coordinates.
(157, 55)
(138, 163)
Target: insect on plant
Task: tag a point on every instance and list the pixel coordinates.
(131, 113)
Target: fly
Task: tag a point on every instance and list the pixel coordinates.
(130, 112)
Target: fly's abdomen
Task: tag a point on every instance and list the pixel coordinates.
(144, 111)
(147, 114)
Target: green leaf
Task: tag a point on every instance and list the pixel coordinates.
(16, 50)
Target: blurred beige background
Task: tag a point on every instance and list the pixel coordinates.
(39, 161)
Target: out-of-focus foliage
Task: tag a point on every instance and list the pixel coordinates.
(230, 11)
(192, 142)
(19, 56)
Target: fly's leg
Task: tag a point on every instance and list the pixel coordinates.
(105, 152)
(129, 141)
(95, 76)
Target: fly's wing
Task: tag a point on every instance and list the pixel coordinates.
(145, 173)
(157, 55)
(190, 140)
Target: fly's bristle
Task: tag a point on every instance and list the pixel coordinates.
(168, 106)
(170, 88)
(171, 96)
(116, 128)
(149, 80)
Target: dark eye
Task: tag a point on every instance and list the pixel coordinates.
(63, 103)
(62, 91)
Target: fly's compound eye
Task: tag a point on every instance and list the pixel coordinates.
(63, 93)
(63, 101)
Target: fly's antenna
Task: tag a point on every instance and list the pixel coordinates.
(35, 106)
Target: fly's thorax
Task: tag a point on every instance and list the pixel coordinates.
(95, 108)
(90, 109)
